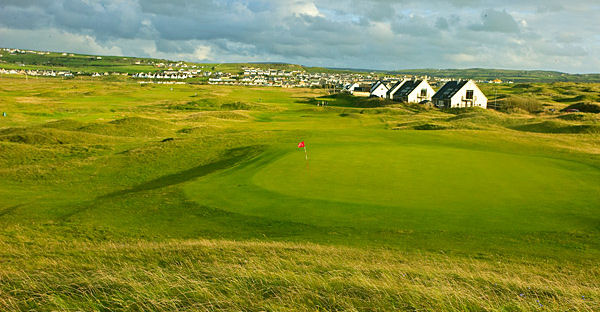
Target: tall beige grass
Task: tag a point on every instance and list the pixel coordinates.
(209, 275)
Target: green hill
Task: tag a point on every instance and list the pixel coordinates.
(503, 74)
(100, 63)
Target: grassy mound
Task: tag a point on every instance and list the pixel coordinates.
(350, 115)
(578, 117)
(462, 111)
(483, 117)
(205, 116)
(240, 106)
(431, 126)
(577, 98)
(195, 105)
(515, 102)
(65, 124)
(201, 130)
(210, 104)
(130, 127)
(552, 126)
(139, 122)
(12, 154)
(46, 136)
(348, 100)
(32, 138)
(585, 107)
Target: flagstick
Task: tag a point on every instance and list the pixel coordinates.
(305, 154)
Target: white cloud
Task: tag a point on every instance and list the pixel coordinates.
(55, 40)
(304, 8)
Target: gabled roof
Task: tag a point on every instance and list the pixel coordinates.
(376, 85)
(449, 89)
(407, 88)
(395, 87)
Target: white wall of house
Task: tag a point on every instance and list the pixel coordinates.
(361, 93)
(460, 99)
(379, 91)
(350, 87)
(423, 92)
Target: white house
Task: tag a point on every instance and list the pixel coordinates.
(461, 93)
(394, 88)
(351, 86)
(414, 91)
(379, 89)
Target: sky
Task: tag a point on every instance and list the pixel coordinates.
(374, 34)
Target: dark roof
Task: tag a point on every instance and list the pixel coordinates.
(407, 88)
(375, 85)
(397, 84)
(449, 89)
(362, 88)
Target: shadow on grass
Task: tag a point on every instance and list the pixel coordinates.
(231, 158)
(347, 100)
(9, 210)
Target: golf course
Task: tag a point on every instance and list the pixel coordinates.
(116, 195)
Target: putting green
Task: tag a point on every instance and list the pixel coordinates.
(421, 187)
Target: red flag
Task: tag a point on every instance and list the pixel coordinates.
(301, 144)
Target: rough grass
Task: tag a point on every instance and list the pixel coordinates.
(199, 130)
(585, 107)
(130, 127)
(221, 275)
(206, 116)
(551, 126)
(516, 103)
(52, 136)
(347, 100)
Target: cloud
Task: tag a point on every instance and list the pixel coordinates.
(496, 21)
(57, 40)
(304, 8)
(379, 34)
(441, 23)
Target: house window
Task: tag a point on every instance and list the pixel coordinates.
(423, 92)
(469, 94)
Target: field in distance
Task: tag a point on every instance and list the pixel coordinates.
(120, 196)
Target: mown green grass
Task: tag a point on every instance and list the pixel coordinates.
(122, 197)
